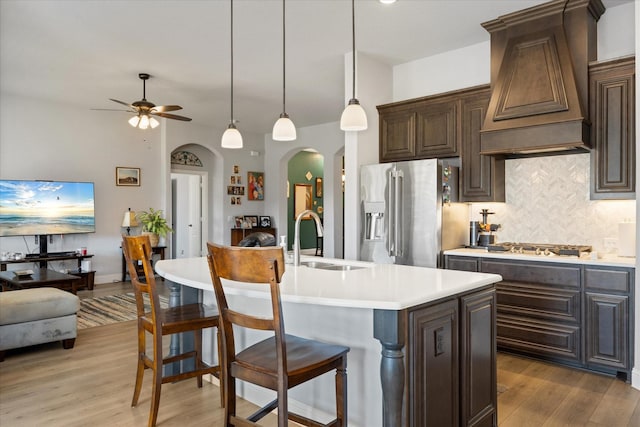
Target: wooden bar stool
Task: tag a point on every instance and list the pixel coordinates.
(279, 362)
(164, 321)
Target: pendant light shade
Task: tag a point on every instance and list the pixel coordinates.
(231, 138)
(353, 117)
(284, 129)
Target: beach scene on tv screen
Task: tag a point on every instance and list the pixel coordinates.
(46, 207)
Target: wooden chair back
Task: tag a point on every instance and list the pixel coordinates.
(137, 249)
(253, 265)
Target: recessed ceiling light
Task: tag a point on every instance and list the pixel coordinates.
(387, 1)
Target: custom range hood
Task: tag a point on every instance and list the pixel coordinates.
(539, 79)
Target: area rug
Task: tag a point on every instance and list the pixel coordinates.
(110, 309)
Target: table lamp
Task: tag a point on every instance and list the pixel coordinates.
(129, 220)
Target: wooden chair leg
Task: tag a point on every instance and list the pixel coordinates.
(229, 399)
(157, 380)
(341, 393)
(283, 407)
(197, 343)
(220, 375)
(140, 370)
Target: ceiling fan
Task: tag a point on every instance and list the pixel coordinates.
(144, 110)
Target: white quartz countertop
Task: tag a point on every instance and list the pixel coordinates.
(376, 286)
(602, 260)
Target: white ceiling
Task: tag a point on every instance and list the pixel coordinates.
(85, 52)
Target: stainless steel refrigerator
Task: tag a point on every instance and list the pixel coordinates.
(410, 214)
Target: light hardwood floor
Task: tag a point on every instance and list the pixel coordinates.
(91, 385)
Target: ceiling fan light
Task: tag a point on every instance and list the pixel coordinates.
(133, 121)
(231, 138)
(144, 122)
(353, 117)
(284, 129)
(153, 122)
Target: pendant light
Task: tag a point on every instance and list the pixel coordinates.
(353, 116)
(284, 129)
(231, 137)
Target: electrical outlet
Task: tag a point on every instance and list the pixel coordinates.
(610, 244)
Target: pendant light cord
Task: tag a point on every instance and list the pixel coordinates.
(353, 46)
(232, 63)
(284, 103)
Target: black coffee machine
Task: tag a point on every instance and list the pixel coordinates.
(481, 233)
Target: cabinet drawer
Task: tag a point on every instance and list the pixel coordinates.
(543, 302)
(539, 338)
(607, 280)
(546, 274)
(461, 263)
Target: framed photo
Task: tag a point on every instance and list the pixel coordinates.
(233, 180)
(302, 200)
(265, 221)
(318, 187)
(236, 169)
(255, 184)
(237, 221)
(252, 220)
(127, 177)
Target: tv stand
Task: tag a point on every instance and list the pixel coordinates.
(44, 259)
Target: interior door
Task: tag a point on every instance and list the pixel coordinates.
(187, 215)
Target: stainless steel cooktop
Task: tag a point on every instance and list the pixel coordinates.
(542, 249)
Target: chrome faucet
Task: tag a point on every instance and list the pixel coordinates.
(296, 241)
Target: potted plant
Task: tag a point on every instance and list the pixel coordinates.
(154, 225)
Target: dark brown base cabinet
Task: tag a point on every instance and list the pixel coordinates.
(451, 362)
(574, 314)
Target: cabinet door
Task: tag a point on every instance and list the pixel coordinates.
(433, 366)
(612, 109)
(397, 134)
(481, 177)
(437, 129)
(478, 382)
(607, 330)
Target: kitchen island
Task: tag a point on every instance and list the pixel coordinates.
(436, 329)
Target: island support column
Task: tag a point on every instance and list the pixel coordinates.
(389, 327)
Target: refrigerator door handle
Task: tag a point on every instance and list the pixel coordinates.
(399, 204)
(392, 219)
(395, 212)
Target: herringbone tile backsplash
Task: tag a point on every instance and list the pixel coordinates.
(547, 201)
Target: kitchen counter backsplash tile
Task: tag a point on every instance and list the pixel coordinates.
(547, 201)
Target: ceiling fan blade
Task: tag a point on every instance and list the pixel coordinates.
(112, 109)
(171, 116)
(123, 103)
(165, 108)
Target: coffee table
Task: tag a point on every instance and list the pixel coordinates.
(41, 277)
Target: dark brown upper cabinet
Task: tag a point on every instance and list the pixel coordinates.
(612, 110)
(481, 177)
(420, 128)
(441, 126)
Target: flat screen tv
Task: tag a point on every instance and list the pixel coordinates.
(46, 208)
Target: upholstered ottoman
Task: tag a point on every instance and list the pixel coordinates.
(37, 316)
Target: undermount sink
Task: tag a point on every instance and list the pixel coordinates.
(329, 266)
